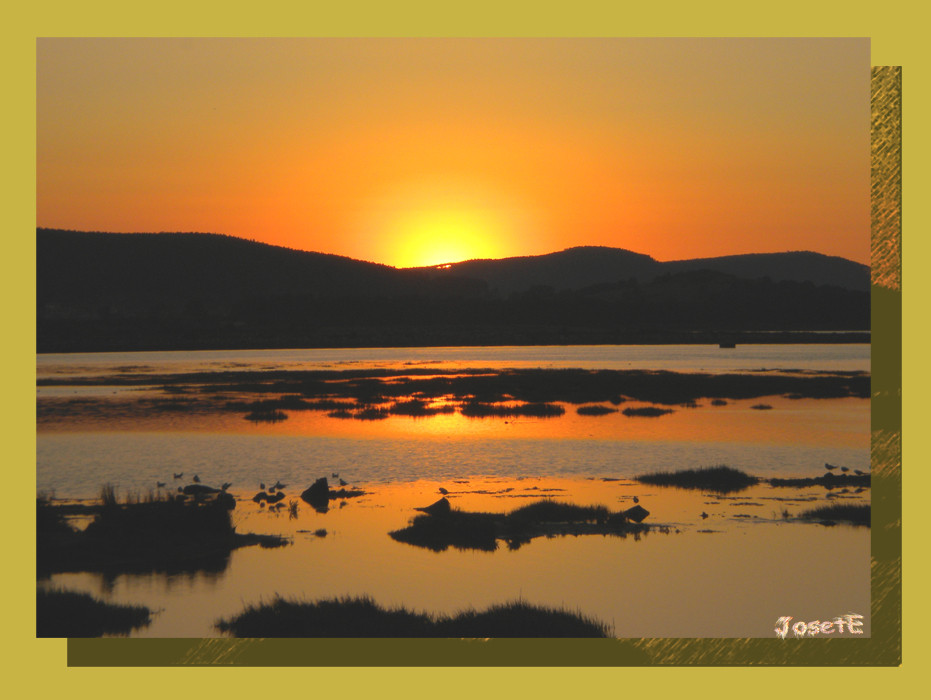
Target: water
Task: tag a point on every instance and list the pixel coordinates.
(720, 576)
(676, 358)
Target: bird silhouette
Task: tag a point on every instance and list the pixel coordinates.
(844, 469)
(278, 485)
(178, 476)
(226, 485)
(443, 491)
(196, 479)
(704, 515)
(636, 500)
(829, 466)
(343, 482)
(262, 486)
(859, 473)
(160, 484)
(334, 475)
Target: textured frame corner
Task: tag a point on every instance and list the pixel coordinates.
(883, 648)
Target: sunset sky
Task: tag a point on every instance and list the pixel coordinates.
(423, 151)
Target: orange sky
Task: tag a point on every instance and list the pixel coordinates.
(422, 151)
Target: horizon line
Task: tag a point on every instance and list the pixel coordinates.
(444, 264)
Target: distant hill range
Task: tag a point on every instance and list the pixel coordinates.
(104, 291)
(584, 266)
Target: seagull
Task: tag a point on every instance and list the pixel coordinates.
(196, 479)
(178, 476)
(829, 466)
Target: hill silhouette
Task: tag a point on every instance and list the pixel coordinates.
(104, 291)
(583, 266)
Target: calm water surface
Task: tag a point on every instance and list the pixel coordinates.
(730, 574)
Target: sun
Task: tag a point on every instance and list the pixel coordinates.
(436, 237)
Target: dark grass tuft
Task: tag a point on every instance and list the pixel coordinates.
(646, 412)
(595, 410)
(266, 416)
(828, 480)
(721, 479)
(481, 531)
(69, 614)
(477, 409)
(839, 513)
(143, 534)
(362, 617)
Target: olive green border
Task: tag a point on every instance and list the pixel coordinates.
(883, 648)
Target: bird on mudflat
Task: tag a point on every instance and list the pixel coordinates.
(262, 486)
(196, 479)
(704, 515)
(844, 469)
(334, 475)
(859, 473)
(160, 484)
(636, 500)
(278, 485)
(177, 476)
(343, 482)
(443, 491)
(830, 466)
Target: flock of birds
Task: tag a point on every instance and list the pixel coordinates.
(277, 486)
(832, 467)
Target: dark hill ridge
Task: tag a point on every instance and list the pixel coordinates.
(585, 266)
(107, 291)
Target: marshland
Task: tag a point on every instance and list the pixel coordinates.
(545, 459)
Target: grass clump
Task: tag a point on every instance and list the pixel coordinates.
(169, 533)
(442, 529)
(595, 410)
(62, 613)
(721, 479)
(362, 617)
(839, 513)
(646, 412)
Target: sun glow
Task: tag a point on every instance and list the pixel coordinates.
(437, 237)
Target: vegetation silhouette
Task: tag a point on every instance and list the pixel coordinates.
(839, 513)
(61, 613)
(362, 617)
(171, 533)
(376, 394)
(440, 528)
(720, 479)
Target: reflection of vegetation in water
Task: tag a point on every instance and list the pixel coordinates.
(722, 479)
(441, 527)
(839, 513)
(362, 617)
(62, 613)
